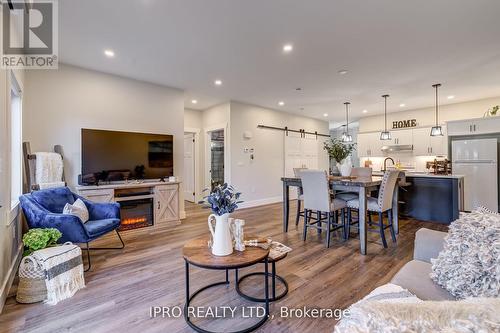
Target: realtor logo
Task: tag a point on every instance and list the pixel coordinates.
(29, 34)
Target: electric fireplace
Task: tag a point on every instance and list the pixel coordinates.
(136, 208)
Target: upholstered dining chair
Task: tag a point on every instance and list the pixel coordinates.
(300, 196)
(380, 205)
(355, 172)
(317, 198)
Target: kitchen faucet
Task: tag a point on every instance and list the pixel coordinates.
(385, 162)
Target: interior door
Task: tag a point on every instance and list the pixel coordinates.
(309, 150)
(293, 153)
(189, 169)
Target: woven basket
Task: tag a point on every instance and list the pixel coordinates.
(31, 287)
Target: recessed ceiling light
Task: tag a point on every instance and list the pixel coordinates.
(218, 82)
(325, 114)
(365, 111)
(287, 48)
(343, 71)
(281, 103)
(451, 97)
(402, 105)
(109, 53)
(194, 101)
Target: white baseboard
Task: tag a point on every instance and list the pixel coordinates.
(260, 202)
(10, 278)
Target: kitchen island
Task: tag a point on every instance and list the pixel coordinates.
(430, 197)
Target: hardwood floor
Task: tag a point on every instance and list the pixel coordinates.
(124, 284)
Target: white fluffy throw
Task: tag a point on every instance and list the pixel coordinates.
(476, 315)
(48, 168)
(469, 264)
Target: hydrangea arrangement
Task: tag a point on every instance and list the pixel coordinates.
(222, 199)
(37, 239)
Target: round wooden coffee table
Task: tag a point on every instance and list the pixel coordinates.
(197, 253)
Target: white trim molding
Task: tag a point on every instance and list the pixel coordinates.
(11, 274)
(260, 202)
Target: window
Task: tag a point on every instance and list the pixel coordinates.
(16, 179)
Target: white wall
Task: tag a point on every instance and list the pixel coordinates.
(193, 118)
(260, 180)
(426, 116)
(10, 221)
(59, 103)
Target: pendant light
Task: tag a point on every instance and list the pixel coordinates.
(346, 137)
(436, 130)
(385, 135)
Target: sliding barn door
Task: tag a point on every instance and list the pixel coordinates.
(301, 152)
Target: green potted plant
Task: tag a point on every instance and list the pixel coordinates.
(340, 152)
(37, 239)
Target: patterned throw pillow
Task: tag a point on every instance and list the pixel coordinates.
(77, 209)
(469, 264)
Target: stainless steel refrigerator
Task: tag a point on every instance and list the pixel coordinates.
(477, 160)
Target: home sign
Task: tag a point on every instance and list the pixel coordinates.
(404, 123)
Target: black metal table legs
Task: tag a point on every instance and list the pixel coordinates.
(273, 276)
(189, 299)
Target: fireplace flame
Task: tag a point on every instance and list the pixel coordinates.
(134, 220)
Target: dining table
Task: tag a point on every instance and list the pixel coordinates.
(360, 185)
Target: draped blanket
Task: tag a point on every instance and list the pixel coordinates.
(63, 269)
(48, 170)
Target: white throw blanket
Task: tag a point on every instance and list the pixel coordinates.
(475, 315)
(48, 170)
(63, 271)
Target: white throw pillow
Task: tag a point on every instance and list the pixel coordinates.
(77, 209)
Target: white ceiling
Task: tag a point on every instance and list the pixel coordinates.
(388, 46)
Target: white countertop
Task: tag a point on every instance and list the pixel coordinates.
(423, 174)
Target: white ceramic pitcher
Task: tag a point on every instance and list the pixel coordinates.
(222, 244)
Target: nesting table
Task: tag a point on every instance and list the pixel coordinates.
(197, 253)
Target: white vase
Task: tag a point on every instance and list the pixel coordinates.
(222, 243)
(345, 167)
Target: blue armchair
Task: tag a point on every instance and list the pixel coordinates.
(43, 209)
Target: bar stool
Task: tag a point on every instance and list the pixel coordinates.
(317, 197)
(381, 205)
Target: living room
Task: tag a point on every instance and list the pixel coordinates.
(344, 154)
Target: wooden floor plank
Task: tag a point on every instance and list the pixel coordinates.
(124, 284)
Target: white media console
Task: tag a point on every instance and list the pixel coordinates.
(164, 196)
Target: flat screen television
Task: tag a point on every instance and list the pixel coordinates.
(117, 156)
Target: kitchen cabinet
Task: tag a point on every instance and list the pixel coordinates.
(426, 145)
(402, 137)
(474, 126)
(369, 144)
